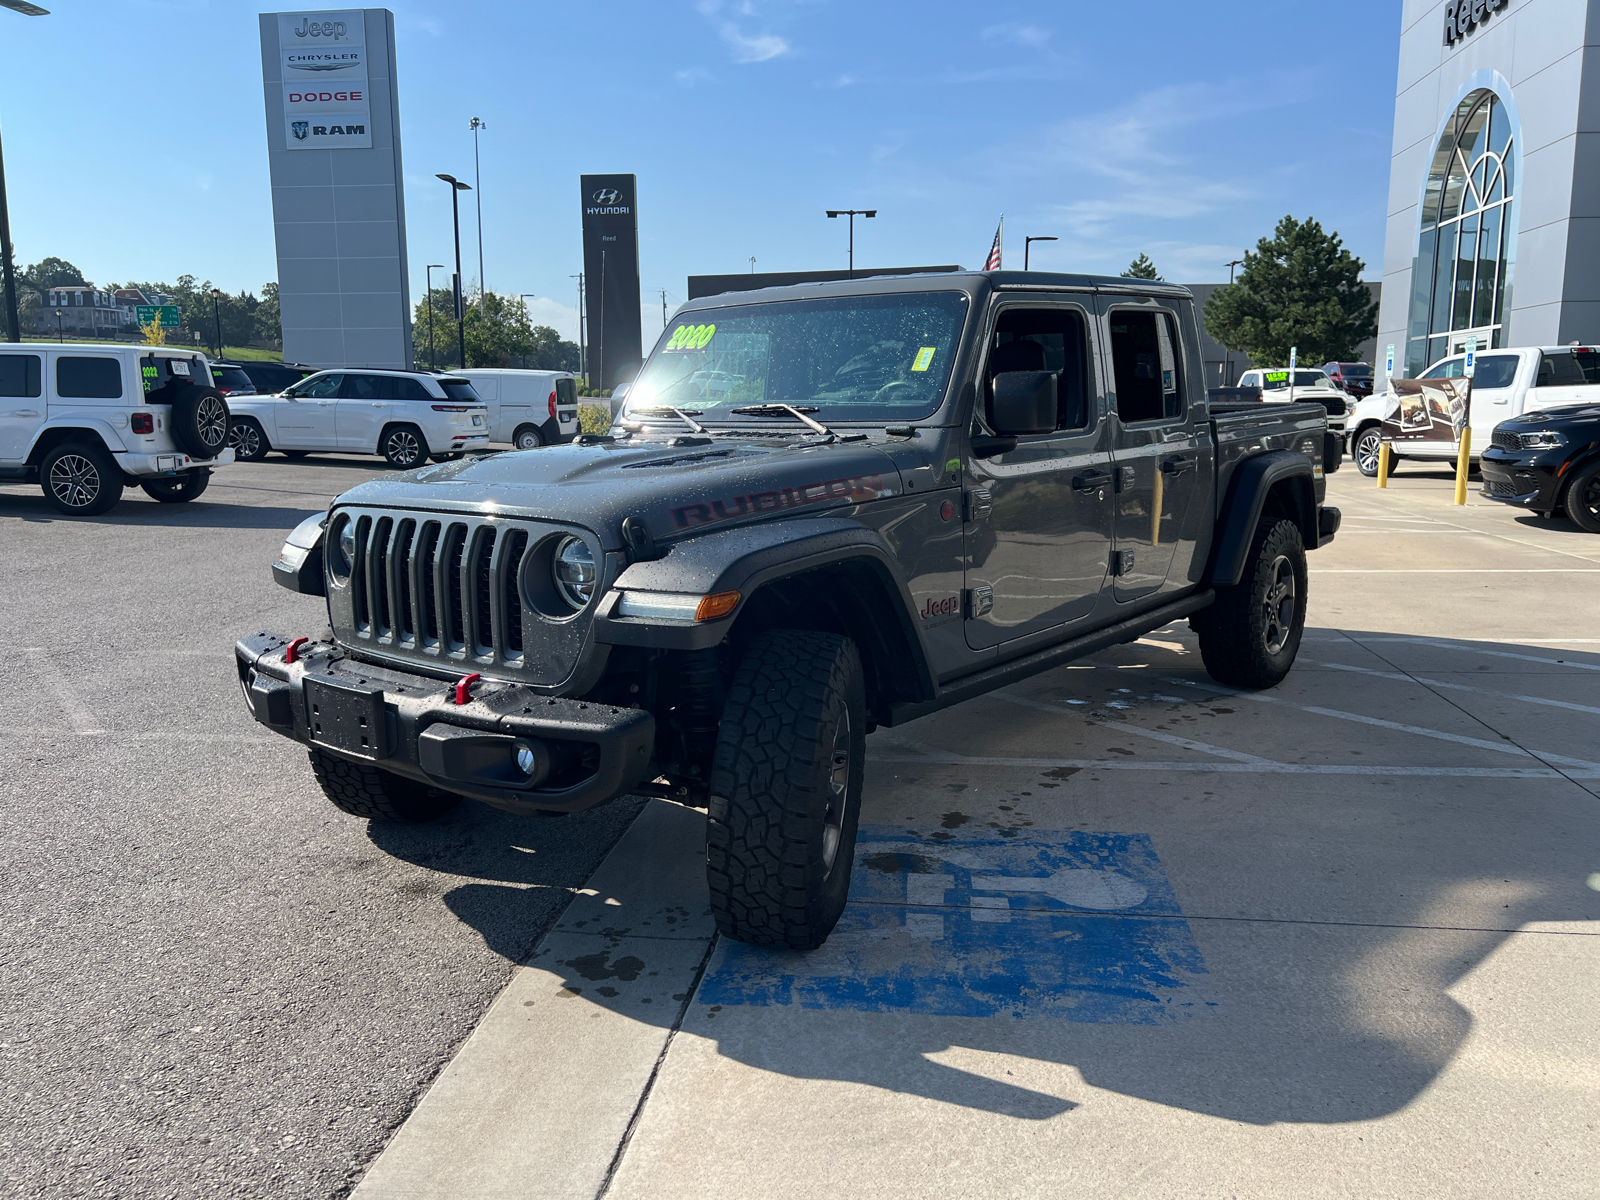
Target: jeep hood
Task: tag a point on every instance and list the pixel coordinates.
(675, 489)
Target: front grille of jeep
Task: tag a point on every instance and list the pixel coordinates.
(447, 590)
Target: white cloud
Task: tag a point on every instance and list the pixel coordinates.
(839, 81)
(752, 49)
(690, 76)
(1013, 33)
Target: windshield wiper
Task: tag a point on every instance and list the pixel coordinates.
(785, 410)
(687, 416)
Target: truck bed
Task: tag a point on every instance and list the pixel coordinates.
(1242, 429)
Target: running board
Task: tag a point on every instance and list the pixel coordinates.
(1017, 669)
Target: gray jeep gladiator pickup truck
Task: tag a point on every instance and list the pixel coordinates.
(821, 509)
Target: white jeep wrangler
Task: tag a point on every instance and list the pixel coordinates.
(85, 420)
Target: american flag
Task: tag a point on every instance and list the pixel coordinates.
(992, 263)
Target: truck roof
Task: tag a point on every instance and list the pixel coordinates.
(974, 283)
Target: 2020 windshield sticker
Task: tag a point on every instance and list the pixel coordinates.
(690, 337)
(924, 358)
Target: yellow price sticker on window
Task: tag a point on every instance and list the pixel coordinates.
(690, 337)
(923, 359)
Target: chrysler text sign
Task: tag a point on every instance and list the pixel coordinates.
(325, 101)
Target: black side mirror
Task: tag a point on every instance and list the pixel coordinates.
(1024, 402)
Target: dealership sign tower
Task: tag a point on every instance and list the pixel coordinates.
(338, 206)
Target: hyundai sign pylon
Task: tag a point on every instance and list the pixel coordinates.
(611, 275)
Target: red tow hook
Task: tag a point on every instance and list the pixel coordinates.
(464, 688)
(291, 652)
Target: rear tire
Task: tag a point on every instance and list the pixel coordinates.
(80, 479)
(527, 437)
(248, 439)
(365, 791)
(1583, 498)
(1365, 450)
(786, 790)
(404, 447)
(200, 422)
(1249, 638)
(180, 490)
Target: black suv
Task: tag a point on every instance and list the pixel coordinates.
(1547, 461)
(270, 378)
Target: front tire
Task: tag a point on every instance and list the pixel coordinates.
(248, 439)
(180, 490)
(80, 479)
(403, 447)
(364, 791)
(527, 437)
(1583, 499)
(1249, 638)
(786, 790)
(1365, 450)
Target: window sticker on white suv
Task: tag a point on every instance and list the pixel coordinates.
(180, 366)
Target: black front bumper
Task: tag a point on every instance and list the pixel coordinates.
(583, 753)
(1527, 480)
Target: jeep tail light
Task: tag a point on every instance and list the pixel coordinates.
(677, 606)
(452, 408)
(144, 422)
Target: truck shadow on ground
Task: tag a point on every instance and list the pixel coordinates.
(1324, 1016)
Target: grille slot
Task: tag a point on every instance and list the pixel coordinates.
(1497, 488)
(448, 590)
(1506, 440)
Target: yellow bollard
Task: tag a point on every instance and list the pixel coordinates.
(1383, 465)
(1463, 465)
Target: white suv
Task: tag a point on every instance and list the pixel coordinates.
(403, 415)
(85, 420)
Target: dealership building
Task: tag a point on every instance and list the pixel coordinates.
(1494, 182)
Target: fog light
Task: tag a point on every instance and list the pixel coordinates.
(527, 761)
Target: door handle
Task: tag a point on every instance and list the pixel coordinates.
(324, 403)
(1176, 466)
(1090, 481)
(26, 412)
(377, 404)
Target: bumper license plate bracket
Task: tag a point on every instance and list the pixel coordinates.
(346, 717)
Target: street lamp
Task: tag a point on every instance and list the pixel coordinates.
(852, 213)
(433, 361)
(1027, 244)
(60, 337)
(216, 312)
(477, 179)
(456, 188)
(583, 349)
(1227, 355)
(13, 327)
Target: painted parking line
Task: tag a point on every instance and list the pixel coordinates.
(1470, 648)
(1067, 925)
(1460, 687)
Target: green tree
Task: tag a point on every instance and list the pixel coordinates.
(51, 273)
(269, 317)
(1300, 287)
(1141, 268)
(500, 335)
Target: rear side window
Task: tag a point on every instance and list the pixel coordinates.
(460, 391)
(367, 387)
(20, 375)
(1559, 369)
(1047, 339)
(1144, 365)
(1495, 371)
(410, 389)
(1587, 361)
(88, 378)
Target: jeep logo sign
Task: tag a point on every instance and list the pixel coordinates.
(321, 29)
(1460, 16)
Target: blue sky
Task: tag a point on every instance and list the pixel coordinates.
(135, 134)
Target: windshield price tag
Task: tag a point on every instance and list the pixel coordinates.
(1279, 377)
(924, 358)
(690, 337)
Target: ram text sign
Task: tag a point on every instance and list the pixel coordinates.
(325, 98)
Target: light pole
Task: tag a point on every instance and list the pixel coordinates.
(477, 179)
(583, 352)
(13, 327)
(752, 264)
(456, 188)
(852, 213)
(1027, 244)
(216, 313)
(433, 361)
(1227, 355)
(664, 305)
(60, 337)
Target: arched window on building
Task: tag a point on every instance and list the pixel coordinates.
(1461, 276)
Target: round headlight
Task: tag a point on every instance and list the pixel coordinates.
(574, 571)
(341, 550)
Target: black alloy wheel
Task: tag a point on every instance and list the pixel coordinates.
(404, 448)
(1250, 635)
(1583, 498)
(80, 479)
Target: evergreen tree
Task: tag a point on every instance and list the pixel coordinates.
(1300, 287)
(1141, 268)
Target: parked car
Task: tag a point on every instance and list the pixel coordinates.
(1506, 383)
(1354, 378)
(272, 377)
(1548, 460)
(403, 415)
(86, 420)
(1310, 387)
(529, 409)
(231, 380)
(954, 482)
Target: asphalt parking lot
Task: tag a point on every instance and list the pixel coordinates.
(1114, 931)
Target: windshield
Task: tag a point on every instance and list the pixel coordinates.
(1355, 370)
(460, 391)
(861, 358)
(1280, 379)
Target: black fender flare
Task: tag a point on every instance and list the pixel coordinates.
(748, 558)
(1578, 463)
(1252, 480)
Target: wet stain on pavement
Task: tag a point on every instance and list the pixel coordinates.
(596, 967)
(954, 820)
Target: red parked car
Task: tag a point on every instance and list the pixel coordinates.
(1353, 378)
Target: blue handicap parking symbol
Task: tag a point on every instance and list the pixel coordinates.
(1075, 926)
